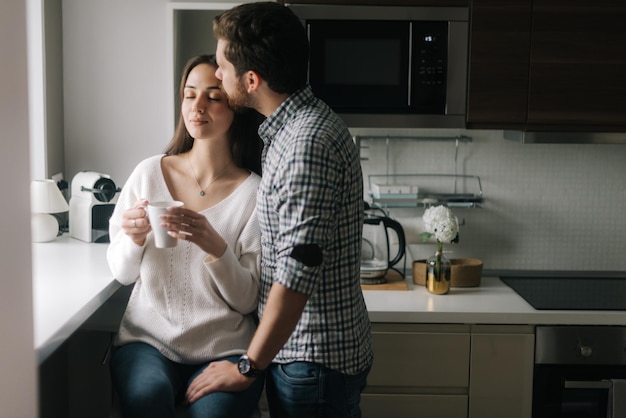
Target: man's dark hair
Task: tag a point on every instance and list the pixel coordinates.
(267, 38)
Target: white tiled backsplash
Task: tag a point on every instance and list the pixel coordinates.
(546, 207)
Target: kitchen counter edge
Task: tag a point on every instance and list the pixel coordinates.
(493, 302)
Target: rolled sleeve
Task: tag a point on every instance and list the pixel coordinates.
(307, 207)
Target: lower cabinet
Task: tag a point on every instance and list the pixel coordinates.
(412, 406)
(419, 370)
(450, 371)
(502, 363)
(73, 382)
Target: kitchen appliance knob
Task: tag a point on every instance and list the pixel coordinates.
(586, 351)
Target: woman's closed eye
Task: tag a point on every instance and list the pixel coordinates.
(216, 96)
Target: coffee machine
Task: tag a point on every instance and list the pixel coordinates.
(93, 198)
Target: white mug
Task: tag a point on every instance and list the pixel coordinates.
(155, 209)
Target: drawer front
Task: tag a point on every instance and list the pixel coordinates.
(416, 359)
(411, 406)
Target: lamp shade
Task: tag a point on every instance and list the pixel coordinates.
(45, 197)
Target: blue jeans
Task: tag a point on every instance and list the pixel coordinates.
(150, 385)
(309, 390)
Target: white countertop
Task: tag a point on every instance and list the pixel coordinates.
(493, 302)
(71, 280)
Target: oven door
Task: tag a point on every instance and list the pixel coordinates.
(579, 372)
(574, 391)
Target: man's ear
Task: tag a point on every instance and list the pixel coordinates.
(253, 81)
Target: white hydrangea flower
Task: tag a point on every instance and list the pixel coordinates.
(441, 222)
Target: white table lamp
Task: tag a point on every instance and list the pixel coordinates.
(45, 198)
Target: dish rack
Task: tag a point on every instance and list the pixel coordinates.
(425, 190)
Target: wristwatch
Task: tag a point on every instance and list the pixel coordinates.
(245, 367)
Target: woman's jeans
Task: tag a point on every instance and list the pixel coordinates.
(150, 385)
(309, 390)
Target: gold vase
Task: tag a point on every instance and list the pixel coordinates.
(438, 272)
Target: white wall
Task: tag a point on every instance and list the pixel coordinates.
(18, 378)
(115, 84)
(550, 207)
(114, 62)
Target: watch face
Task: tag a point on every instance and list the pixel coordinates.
(244, 365)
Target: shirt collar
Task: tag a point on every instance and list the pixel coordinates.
(274, 122)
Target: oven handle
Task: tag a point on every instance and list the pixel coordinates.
(576, 384)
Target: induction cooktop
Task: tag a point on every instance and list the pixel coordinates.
(564, 293)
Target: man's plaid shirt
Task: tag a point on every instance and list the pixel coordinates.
(311, 194)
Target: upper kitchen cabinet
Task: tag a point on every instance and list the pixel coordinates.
(498, 63)
(577, 64)
(547, 65)
(423, 3)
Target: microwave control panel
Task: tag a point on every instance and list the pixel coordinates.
(430, 48)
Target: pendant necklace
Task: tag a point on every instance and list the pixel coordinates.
(202, 193)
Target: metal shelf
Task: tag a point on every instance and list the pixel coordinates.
(452, 190)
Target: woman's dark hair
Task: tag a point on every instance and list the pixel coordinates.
(245, 143)
(268, 38)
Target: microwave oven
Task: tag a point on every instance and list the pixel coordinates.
(389, 66)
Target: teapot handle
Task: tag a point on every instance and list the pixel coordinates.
(397, 228)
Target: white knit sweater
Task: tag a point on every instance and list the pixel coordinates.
(190, 309)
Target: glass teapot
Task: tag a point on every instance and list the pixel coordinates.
(376, 257)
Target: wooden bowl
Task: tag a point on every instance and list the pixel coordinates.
(465, 272)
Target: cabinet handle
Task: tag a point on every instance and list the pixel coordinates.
(597, 384)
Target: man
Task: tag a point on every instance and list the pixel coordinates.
(313, 341)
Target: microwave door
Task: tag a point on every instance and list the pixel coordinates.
(358, 66)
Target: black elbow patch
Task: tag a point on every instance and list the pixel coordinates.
(308, 254)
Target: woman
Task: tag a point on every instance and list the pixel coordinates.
(194, 303)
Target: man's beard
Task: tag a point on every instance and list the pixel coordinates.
(240, 99)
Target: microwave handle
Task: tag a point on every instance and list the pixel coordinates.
(597, 384)
(410, 68)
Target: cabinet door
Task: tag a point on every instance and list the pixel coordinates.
(502, 365)
(420, 358)
(547, 65)
(412, 406)
(578, 65)
(498, 63)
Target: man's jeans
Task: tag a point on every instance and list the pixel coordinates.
(309, 390)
